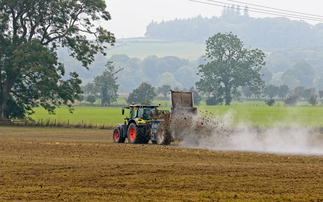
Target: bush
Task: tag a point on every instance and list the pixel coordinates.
(270, 102)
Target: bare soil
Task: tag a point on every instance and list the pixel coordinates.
(49, 164)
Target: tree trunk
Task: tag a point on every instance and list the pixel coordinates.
(4, 100)
(227, 95)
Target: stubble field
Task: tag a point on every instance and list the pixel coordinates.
(50, 164)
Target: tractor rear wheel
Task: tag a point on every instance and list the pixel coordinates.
(163, 136)
(116, 136)
(136, 134)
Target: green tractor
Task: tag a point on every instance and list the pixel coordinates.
(146, 122)
(137, 128)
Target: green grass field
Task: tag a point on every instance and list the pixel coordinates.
(254, 115)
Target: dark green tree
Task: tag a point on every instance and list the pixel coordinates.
(231, 66)
(106, 85)
(89, 89)
(299, 91)
(164, 90)
(271, 91)
(144, 94)
(313, 99)
(30, 32)
(291, 100)
(283, 91)
(91, 99)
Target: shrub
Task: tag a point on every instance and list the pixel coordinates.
(270, 102)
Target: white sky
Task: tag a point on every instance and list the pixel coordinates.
(130, 17)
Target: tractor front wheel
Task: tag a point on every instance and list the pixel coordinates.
(116, 136)
(136, 134)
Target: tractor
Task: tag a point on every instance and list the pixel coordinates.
(146, 122)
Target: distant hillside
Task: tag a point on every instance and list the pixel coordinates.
(267, 34)
(143, 47)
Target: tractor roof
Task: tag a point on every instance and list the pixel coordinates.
(139, 105)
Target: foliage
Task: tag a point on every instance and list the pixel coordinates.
(303, 92)
(266, 75)
(283, 90)
(91, 99)
(302, 72)
(247, 92)
(164, 90)
(31, 31)
(231, 67)
(89, 89)
(291, 100)
(271, 91)
(321, 94)
(313, 99)
(145, 93)
(81, 98)
(214, 100)
(106, 85)
(270, 102)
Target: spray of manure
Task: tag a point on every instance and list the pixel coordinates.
(209, 132)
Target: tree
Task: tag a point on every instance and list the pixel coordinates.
(313, 99)
(89, 89)
(31, 31)
(303, 72)
(271, 91)
(321, 94)
(291, 100)
(231, 67)
(308, 92)
(164, 90)
(81, 98)
(106, 85)
(282, 91)
(267, 75)
(91, 99)
(145, 93)
(247, 92)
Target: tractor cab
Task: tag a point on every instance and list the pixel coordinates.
(140, 114)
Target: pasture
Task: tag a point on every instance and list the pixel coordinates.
(60, 164)
(250, 115)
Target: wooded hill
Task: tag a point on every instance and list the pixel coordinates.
(267, 34)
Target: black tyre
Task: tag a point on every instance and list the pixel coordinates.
(136, 134)
(116, 136)
(163, 136)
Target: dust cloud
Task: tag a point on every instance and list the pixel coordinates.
(214, 133)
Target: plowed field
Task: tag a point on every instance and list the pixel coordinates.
(48, 164)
